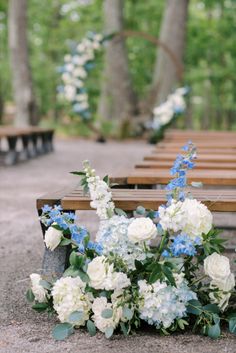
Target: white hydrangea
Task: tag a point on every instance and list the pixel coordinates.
(160, 304)
(40, 293)
(100, 322)
(69, 296)
(190, 216)
(113, 235)
(103, 276)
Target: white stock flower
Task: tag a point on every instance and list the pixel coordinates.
(142, 229)
(101, 323)
(39, 292)
(189, 216)
(69, 296)
(52, 238)
(217, 267)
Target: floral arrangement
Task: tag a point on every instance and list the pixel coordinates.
(165, 113)
(75, 71)
(164, 268)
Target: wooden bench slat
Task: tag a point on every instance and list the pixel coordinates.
(199, 165)
(203, 158)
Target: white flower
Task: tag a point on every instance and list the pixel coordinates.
(141, 229)
(52, 238)
(97, 272)
(160, 304)
(222, 296)
(39, 292)
(113, 232)
(69, 296)
(198, 219)
(101, 323)
(189, 216)
(217, 267)
(103, 276)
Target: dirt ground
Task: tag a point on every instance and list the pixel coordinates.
(21, 249)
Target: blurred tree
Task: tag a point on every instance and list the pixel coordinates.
(117, 100)
(172, 34)
(26, 110)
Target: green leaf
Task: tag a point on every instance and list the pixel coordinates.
(232, 325)
(78, 173)
(140, 210)
(84, 277)
(62, 331)
(169, 275)
(71, 272)
(30, 295)
(120, 212)
(76, 260)
(194, 307)
(213, 308)
(45, 284)
(39, 307)
(106, 179)
(182, 323)
(196, 184)
(124, 328)
(76, 316)
(155, 274)
(128, 313)
(138, 265)
(213, 331)
(109, 332)
(65, 242)
(107, 313)
(91, 328)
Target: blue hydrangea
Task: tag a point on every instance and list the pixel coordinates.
(183, 245)
(46, 208)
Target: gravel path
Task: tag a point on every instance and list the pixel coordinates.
(21, 249)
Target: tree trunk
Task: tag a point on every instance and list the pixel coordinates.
(173, 33)
(26, 110)
(117, 99)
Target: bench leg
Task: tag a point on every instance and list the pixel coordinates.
(25, 153)
(11, 156)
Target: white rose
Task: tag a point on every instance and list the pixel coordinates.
(141, 229)
(39, 292)
(217, 267)
(221, 297)
(97, 272)
(52, 238)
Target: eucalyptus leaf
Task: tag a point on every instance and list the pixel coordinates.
(107, 313)
(232, 325)
(91, 328)
(45, 284)
(30, 295)
(140, 210)
(39, 307)
(128, 313)
(213, 331)
(62, 331)
(194, 307)
(109, 332)
(120, 212)
(76, 316)
(65, 242)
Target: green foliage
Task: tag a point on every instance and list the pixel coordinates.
(62, 331)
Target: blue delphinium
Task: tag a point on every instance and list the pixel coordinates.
(179, 170)
(183, 245)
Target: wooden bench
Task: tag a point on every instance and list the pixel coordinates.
(74, 200)
(25, 143)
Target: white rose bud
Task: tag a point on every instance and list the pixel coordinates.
(39, 292)
(217, 267)
(52, 238)
(141, 229)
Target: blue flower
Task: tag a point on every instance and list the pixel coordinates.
(183, 245)
(46, 208)
(179, 182)
(98, 248)
(165, 253)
